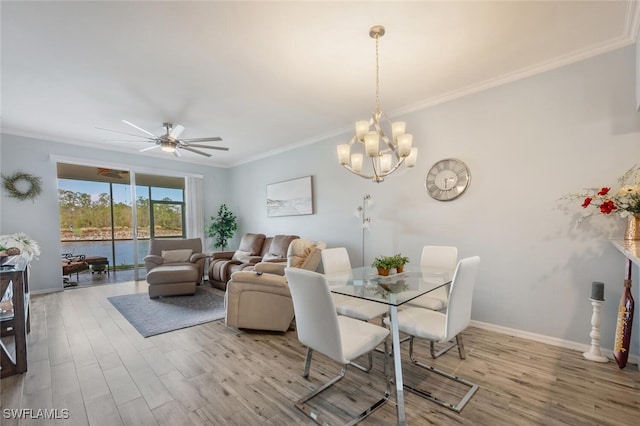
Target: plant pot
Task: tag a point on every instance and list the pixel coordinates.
(632, 231)
(399, 269)
(383, 272)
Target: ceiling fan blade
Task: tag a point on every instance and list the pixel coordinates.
(127, 141)
(176, 131)
(196, 151)
(212, 139)
(195, 145)
(124, 133)
(150, 148)
(176, 153)
(140, 128)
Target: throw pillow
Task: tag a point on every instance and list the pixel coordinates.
(241, 256)
(299, 251)
(313, 258)
(176, 256)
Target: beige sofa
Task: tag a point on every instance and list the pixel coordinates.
(253, 248)
(260, 299)
(174, 267)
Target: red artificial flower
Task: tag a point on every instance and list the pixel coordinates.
(586, 202)
(607, 207)
(604, 191)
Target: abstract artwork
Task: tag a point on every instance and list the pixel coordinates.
(290, 198)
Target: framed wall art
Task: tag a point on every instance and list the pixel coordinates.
(290, 197)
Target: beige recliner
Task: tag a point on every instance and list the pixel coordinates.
(174, 267)
(260, 299)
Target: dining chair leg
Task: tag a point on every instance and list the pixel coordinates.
(461, 351)
(367, 368)
(319, 418)
(307, 363)
(450, 345)
(457, 407)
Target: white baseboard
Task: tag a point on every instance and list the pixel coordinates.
(567, 344)
(46, 290)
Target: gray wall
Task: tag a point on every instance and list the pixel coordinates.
(527, 144)
(40, 218)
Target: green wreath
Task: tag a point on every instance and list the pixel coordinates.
(33, 190)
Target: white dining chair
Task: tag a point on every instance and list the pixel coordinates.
(340, 338)
(335, 261)
(436, 258)
(442, 327)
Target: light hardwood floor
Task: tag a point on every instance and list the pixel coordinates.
(86, 358)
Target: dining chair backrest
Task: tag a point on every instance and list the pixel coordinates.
(439, 257)
(460, 297)
(335, 260)
(315, 313)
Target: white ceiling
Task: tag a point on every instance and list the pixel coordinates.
(267, 76)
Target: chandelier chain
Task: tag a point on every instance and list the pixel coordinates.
(377, 75)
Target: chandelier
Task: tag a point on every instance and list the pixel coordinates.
(386, 154)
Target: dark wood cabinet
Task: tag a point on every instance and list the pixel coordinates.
(14, 315)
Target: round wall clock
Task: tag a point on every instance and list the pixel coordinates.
(447, 179)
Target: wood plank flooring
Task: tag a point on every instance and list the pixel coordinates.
(84, 357)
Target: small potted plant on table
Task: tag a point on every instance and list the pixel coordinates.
(399, 261)
(383, 264)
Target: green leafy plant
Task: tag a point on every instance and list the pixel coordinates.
(384, 264)
(222, 227)
(399, 260)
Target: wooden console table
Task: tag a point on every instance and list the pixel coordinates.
(14, 286)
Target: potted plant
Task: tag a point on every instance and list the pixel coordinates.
(399, 261)
(222, 227)
(384, 264)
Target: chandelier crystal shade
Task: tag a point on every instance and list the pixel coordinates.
(385, 153)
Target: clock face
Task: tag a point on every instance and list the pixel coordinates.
(447, 179)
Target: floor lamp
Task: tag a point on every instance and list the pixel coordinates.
(361, 213)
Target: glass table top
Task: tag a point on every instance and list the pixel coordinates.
(396, 289)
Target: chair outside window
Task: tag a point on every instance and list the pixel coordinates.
(336, 261)
(340, 338)
(441, 327)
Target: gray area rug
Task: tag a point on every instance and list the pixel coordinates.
(157, 316)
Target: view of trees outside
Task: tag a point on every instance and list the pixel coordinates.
(86, 215)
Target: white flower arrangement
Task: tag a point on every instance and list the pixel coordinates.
(28, 247)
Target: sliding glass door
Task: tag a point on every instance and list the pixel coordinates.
(98, 216)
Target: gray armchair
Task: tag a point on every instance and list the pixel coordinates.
(174, 266)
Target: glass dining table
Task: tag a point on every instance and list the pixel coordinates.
(393, 290)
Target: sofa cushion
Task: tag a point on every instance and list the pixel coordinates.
(176, 256)
(278, 248)
(173, 274)
(252, 243)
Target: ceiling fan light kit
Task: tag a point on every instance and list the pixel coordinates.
(395, 152)
(170, 141)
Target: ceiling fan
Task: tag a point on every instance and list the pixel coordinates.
(170, 141)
